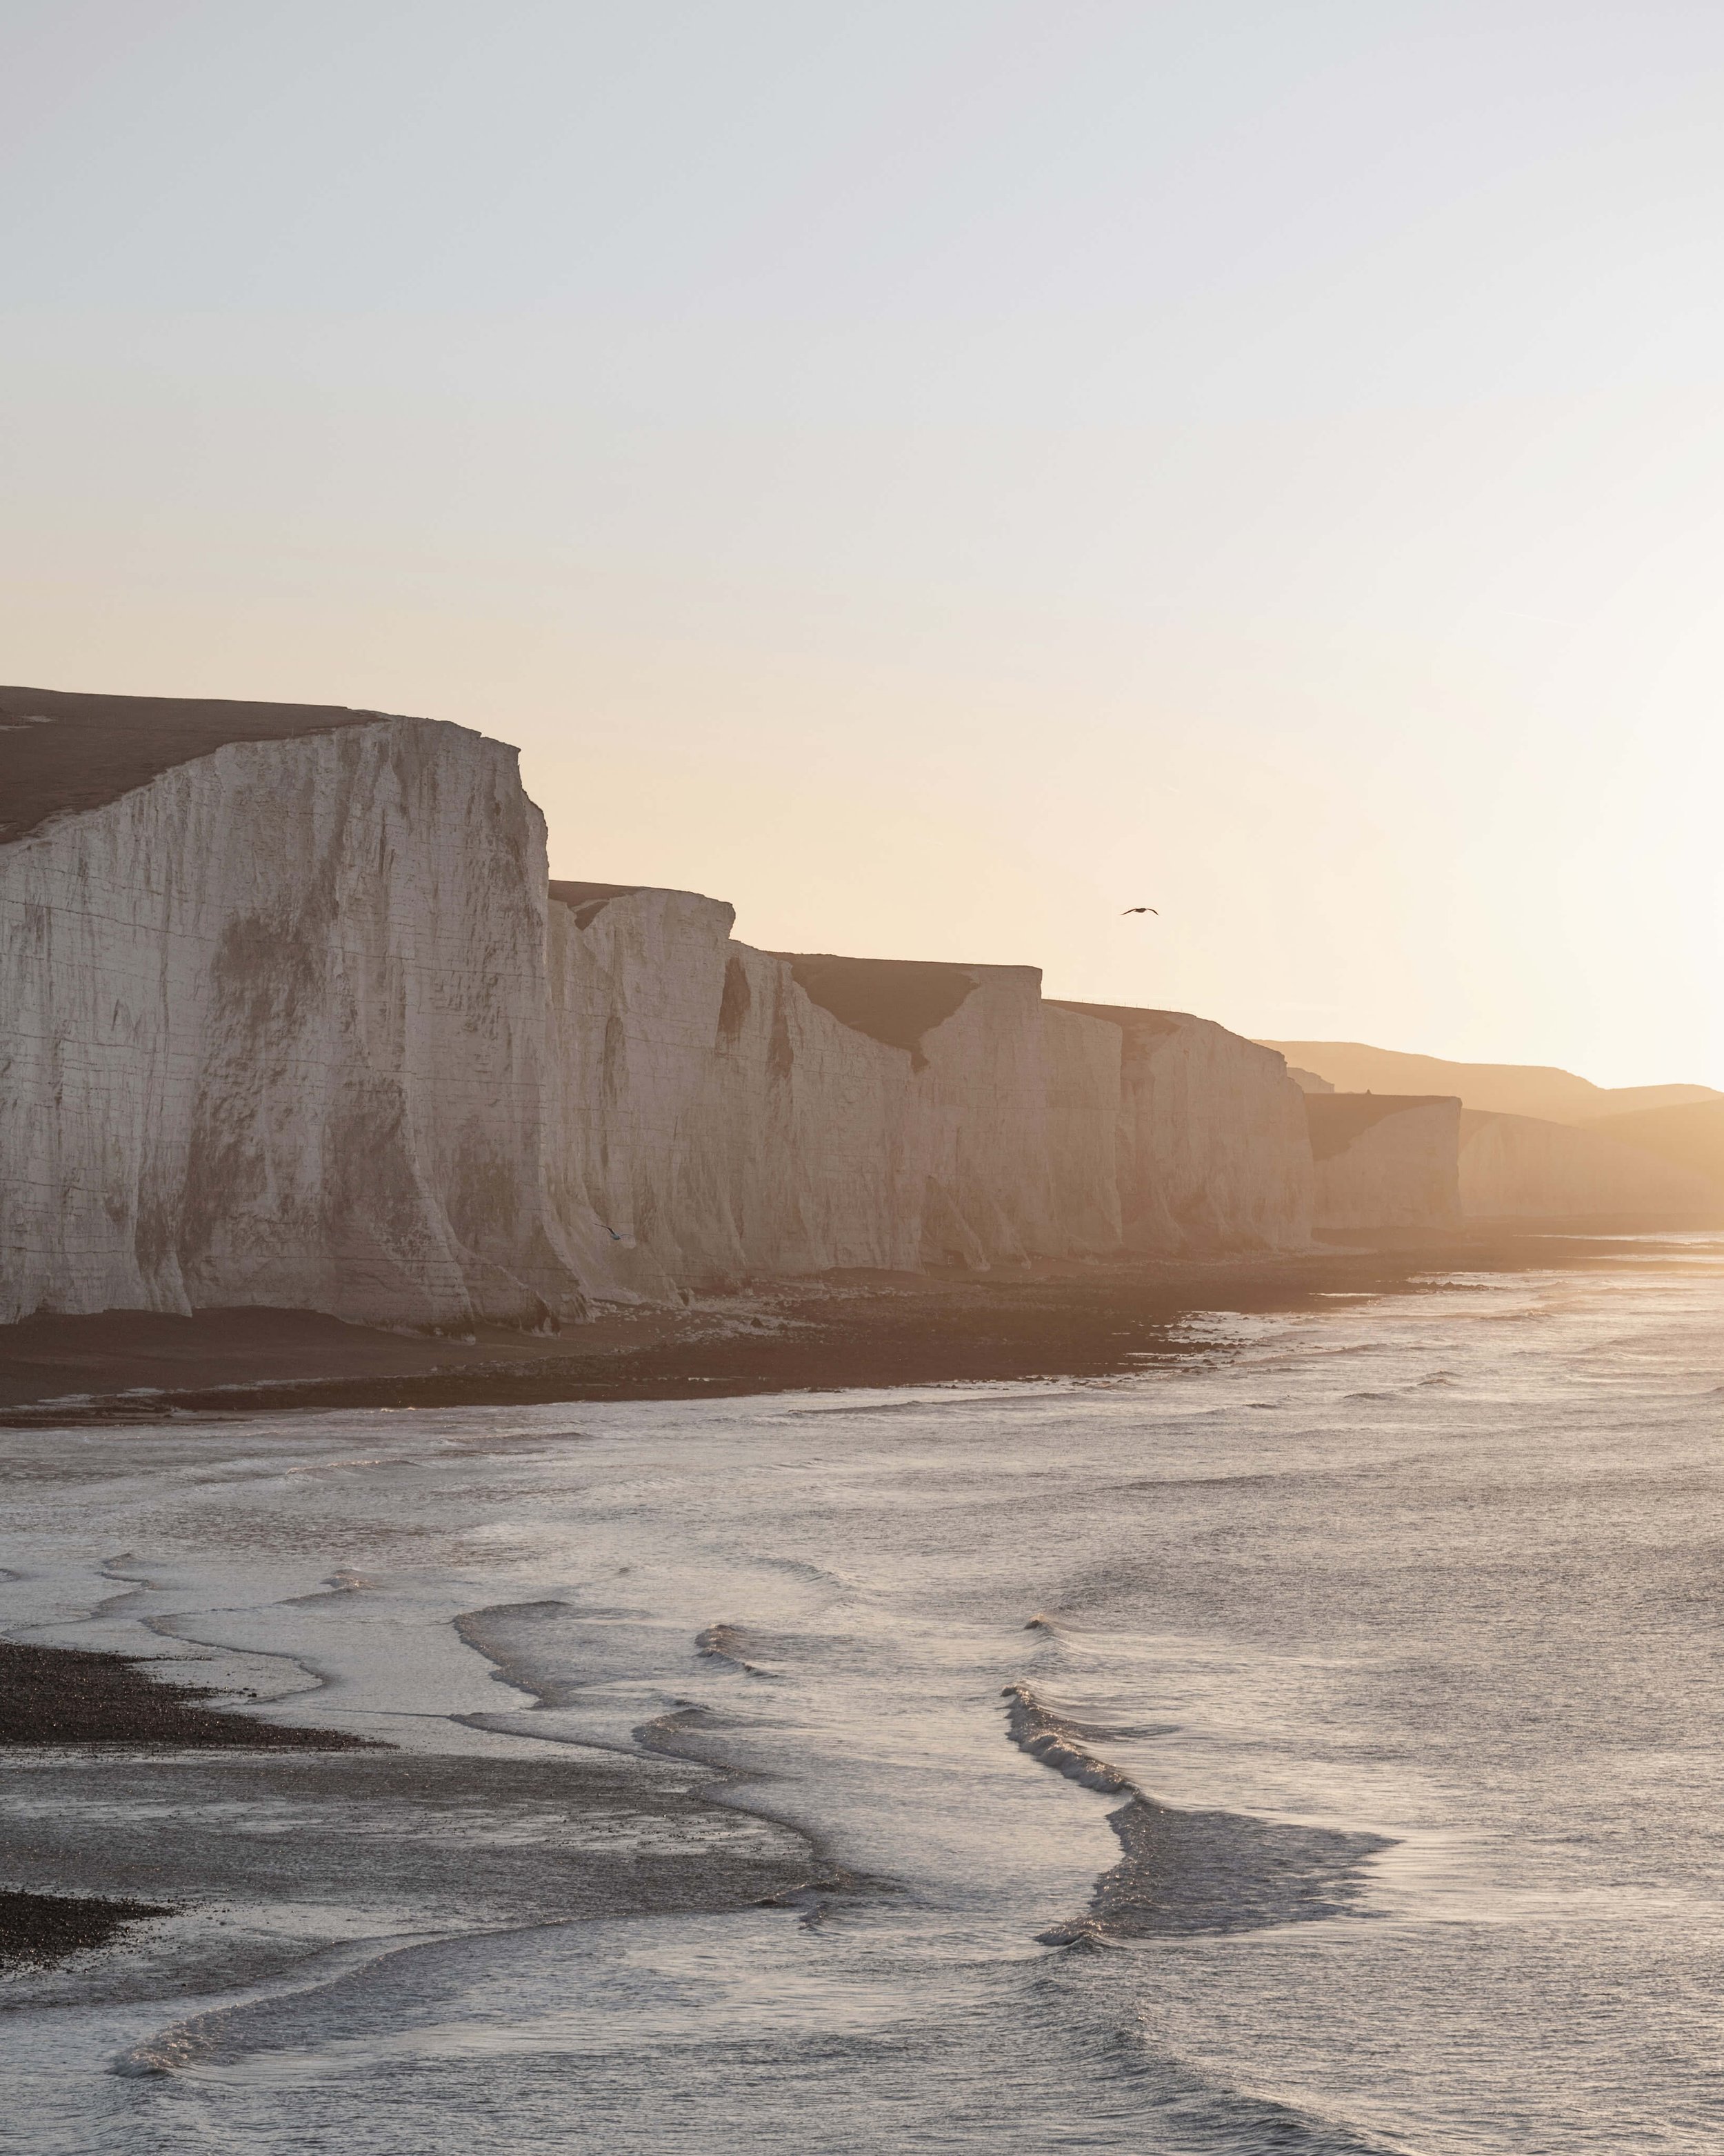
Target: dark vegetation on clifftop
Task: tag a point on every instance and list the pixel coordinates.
(896, 1001)
(1336, 1119)
(60, 750)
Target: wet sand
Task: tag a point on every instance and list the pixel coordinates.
(1092, 1321)
(38, 1929)
(68, 1695)
(267, 1858)
(62, 1696)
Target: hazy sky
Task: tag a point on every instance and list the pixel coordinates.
(936, 474)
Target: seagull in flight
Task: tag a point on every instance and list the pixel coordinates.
(1142, 909)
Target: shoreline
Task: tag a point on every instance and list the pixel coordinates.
(204, 1907)
(75, 1696)
(55, 1698)
(837, 1332)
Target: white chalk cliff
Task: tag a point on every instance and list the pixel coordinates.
(1385, 1160)
(275, 1033)
(1525, 1167)
(723, 1112)
(295, 1018)
(1211, 1149)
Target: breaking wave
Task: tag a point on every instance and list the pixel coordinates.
(1211, 2115)
(729, 1644)
(1183, 1873)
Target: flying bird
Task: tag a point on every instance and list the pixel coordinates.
(1142, 909)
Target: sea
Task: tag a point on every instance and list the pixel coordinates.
(1309, 1742)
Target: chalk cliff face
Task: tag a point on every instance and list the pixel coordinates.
(722, 1113)
(275, 1031)
(1385, 1160)
(1520, 1167)
(1688, 1134)
(1211, 1147)
(1008, 1111)
(295, 1018)
(706, 1121)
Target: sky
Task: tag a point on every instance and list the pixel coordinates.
(936, 474)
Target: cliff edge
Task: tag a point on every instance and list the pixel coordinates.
(273, 977)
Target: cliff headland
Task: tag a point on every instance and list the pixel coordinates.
(300, 1024)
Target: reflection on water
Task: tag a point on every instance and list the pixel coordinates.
(1255, 1755)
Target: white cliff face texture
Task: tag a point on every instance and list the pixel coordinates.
(708, 1122)
(1009, 1117)
(1211, 1147)
(293, 1020)
(1520, 1167)
(275, 1035)
(1385, 1160)
(724, 1112)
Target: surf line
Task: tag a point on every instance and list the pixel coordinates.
(1183, 1873)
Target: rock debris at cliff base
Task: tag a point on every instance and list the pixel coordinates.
(1094, 1322)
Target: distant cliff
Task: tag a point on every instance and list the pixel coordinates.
(723, 1112)
(1211, 1148)
(1511, 1089)
(1515, 1166)
(1689, 1135)
(1385, 1160)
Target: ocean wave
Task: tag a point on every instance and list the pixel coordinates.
(959, 1393)
(1208, 2114)
(1036, 1728)
(1183, 1873)
(676, 1730)
(1228, 1484)
(727, 1643)
(222, 2031)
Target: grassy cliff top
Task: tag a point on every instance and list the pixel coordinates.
(898, 1001)
(61, 751)
(1334, 1120)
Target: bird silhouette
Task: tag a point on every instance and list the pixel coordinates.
(1142, 909)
